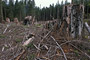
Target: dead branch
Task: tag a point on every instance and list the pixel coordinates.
(46, 35)
(45, 58)
(46, 47)
(28, 41)
(6, 29)
(80, 50)
(25, 44)
(78, 41)
(59, 47)
(3, 48)
(44, 38)
(19, 56)
(48, 51)
(36, 47)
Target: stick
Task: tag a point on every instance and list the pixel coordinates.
(78, 41)
(19, 56)
(6, 29)
(80, 50)
(76, 47)
(28, 41)
(46, 35)
(44, 38)
(46, 47)
(59, 47)
(36, 47)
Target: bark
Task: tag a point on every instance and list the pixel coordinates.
(73, 15)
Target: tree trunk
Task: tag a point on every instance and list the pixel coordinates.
(20, 16)
(1, 13)
(73, 16)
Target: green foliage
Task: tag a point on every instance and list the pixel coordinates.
(22, 8)
(18, 40)
(1, 14)
(38, 25)
(30, 45)
(10, 10)
(89, 50)
(76, 52)
(26, 26)
(2, 36)
(86, 37)
(89, 40)
(31, 57)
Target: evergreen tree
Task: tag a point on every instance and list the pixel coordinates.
(16, 9)
(66, 2)
(33, 7)
(22, 10)
(11, 9)
(1, 13)
(30, 7)
(4, 7)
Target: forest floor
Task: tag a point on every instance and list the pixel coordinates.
(47, 45)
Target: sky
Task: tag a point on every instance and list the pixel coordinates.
(46, 3)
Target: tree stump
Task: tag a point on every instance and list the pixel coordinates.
(73, 15)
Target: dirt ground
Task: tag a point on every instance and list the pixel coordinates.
(13, 37)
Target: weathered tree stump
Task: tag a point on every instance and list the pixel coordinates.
(73, 15)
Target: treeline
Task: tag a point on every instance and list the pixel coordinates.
(18, 9)
(23, 8)
(49, 13)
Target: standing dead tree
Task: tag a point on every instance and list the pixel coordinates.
(73, 16)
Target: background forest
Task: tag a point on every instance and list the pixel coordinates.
(22, 8)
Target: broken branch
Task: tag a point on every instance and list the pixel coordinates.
(80, 50)
(18, 57)
(6, 29)
(59, 47)
(28, 41)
